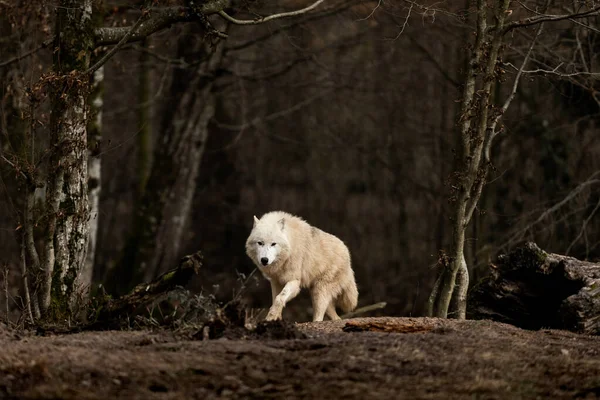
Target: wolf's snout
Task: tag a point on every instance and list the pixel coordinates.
(264, 261)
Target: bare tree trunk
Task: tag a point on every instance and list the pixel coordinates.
(66, 240)
(448, 279)
(94, 137)
(96, 100)
(430, 310)
(166, 203)
(476, 133)
(144, 135)
(25, 277)
(177, 203)
(462, 288)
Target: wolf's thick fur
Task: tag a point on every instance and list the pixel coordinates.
(292, 255)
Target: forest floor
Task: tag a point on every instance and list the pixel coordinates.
(436, 359)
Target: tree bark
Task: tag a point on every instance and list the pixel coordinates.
(144, 136)
(462, 287)
(96, 100)
(66, 240)
(167, 200)
(533, 289)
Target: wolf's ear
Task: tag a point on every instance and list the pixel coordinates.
(255, 221)
(282, 223)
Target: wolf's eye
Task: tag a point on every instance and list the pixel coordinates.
(273, 244)
(260, 243)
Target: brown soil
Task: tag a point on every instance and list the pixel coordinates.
(443, 360)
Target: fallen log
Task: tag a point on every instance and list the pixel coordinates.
(109, 313)
(390, 325)
(533, 289)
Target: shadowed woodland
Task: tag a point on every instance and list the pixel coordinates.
(452, 145)
(350, 115)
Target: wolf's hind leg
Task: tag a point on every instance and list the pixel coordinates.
(331, 311)
(320, 302)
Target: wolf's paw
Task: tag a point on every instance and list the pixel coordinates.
(273, 316)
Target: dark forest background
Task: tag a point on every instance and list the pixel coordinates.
(345, 116)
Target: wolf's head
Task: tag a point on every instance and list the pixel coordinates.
(268, 243)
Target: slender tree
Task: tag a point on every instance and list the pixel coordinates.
(477, 129)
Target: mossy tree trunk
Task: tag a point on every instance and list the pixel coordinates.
(67, 207)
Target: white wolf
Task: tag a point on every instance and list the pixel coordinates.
(292, 255)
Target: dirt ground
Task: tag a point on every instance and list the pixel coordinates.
(439, 359)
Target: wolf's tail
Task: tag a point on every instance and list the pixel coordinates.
(349, 297)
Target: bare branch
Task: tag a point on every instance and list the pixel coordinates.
(592, 180)
(555, 71)
(323, 13)
(270, 17)
(116, 48)
(159, 19)
(20, 171)
(550, 18)
(509, 99)
(373, 11)
(405, 23)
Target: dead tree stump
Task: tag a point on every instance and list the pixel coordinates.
(111, 313)
(532, 289)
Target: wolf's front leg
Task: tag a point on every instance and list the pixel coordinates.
(276, 288)
(289, 291)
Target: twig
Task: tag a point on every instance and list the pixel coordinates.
(275, 115)
(578, 189)
(549, 18)
(27, 54)
(6, 160)
(515, 86)
(373, 11)
(242, 288)
(364, 309)
(405, 22)
(583, 229)
(270, 17)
